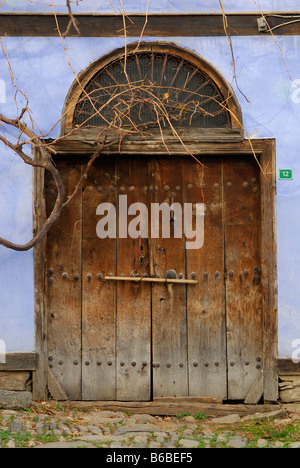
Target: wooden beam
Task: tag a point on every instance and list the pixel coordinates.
(19, 362)
(226, 145)
(40, 391)
(160, 25)
(288, 367)
(269, 270)
(171, 407)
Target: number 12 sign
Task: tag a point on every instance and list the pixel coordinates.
(285, 174)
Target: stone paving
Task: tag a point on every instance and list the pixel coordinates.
(48, 426)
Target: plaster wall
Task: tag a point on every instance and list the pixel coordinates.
(154, 6)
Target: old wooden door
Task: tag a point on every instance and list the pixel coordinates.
(112, 338)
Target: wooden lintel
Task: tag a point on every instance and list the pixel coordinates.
(160, 25)
(75, 147)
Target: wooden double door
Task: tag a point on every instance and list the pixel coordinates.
(111, 337)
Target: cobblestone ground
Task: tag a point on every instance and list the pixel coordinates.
(49, 426)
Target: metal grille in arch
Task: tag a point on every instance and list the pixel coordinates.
(151, 88)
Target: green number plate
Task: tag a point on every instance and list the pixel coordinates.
(285, 174)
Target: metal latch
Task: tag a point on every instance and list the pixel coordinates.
(142, 279)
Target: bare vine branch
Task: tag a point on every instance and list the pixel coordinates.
(233, 62)
(72, 22)
(45, 163)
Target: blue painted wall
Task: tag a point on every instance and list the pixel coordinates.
(139, 6)
(264, 76)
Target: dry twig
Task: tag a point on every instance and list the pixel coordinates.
(72, 22)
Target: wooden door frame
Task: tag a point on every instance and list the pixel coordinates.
(205, 144)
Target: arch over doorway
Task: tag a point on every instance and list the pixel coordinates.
(154, 84)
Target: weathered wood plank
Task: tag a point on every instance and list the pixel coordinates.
(39, 218)
(269, 270)
(133, 299)
(256, 391)
(188, 400)
(98, 296)
(244, 308)
(90, 135)
(288, 367)
(205, 302)
(108, 25)
(169, 314)
(171, 408)
(56, 390)
(19, 362)
(63, 290)
(199, 147)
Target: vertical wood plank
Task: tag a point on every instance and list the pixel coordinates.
(269, 273)
(63, 292)
(39, 218)
(133, 299)
(206, 300)
(170, 365)
(98, 296)
(244, 308)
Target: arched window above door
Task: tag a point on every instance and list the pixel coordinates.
(151, 85)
